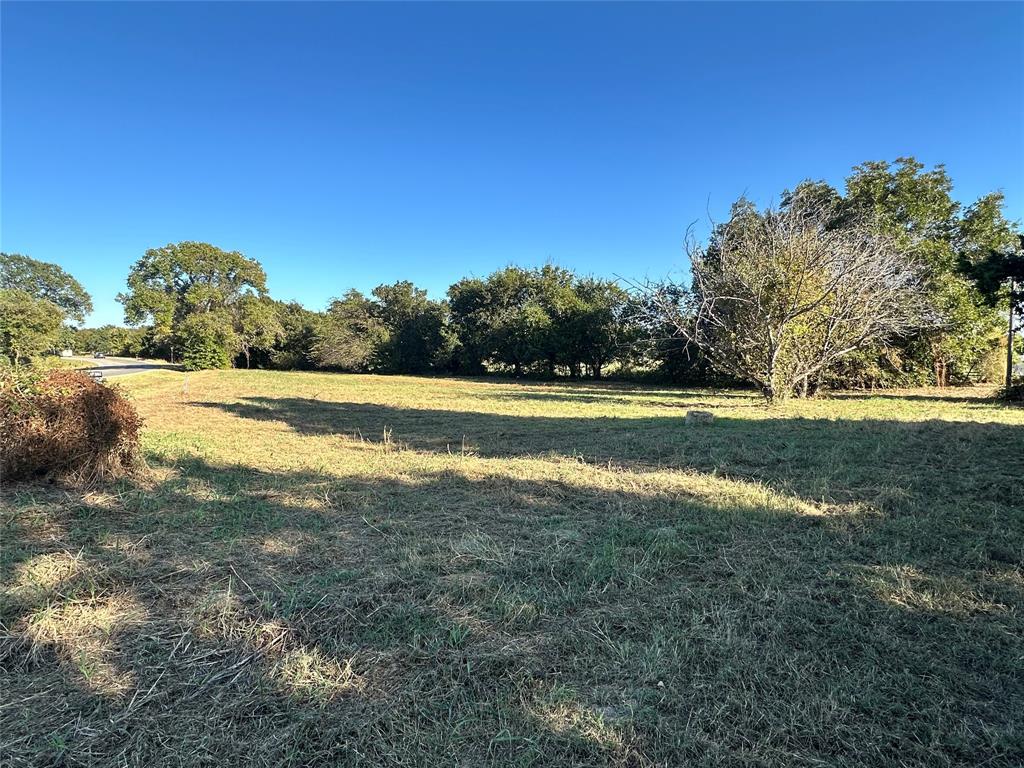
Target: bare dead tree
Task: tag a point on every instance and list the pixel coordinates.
(777, 297)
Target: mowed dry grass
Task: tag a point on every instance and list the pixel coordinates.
(358, 570)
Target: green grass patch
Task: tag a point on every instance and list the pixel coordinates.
(362, 570)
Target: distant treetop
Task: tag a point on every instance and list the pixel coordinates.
(43, 280)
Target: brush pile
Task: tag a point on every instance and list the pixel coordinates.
(65, 425)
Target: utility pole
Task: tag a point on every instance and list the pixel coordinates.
(1009, 339)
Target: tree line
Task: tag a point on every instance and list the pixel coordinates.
(888, 282)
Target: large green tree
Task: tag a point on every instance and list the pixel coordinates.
(258, 324)
(351, 334)
(519, 319)
(551, 312)
(418, 338)
(300, 330)
(469, 302)
(43, 280)
(603, 323)
(509, 318)
(999, 275)
(29, 326)
(395, 330)
(915, 207)
(539, 320)
(173, 286)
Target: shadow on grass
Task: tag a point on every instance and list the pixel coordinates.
(962, 398)
(603, 387)
(906, 464)
(618, 396)
(231, 615)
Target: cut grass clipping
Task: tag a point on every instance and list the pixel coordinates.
(366, 571)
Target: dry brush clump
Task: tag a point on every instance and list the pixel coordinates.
(780, 297)
(65, 424)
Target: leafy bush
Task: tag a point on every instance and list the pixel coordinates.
(285, 360)
(207, 341)
(65, 424)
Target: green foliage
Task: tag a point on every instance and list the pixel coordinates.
(518, 321)
(468, 302)
(970, 333)
(540, 320)
(600, 321)
(131, 342)
(350, 334)
(527, 321)
(915, 207)
(258, 325)
(65, 337)
(300, 329)
(418, 339)
(90, 340)
(547, 321)
(111, 340)
(994, 268)
(206, 340)
(398, 330)
(45, 281)
(170, 283)
(780, 297)
(906, 202)
(661, 352)
(558, 312)
(983, 230)
(173, 286)
(29, 326)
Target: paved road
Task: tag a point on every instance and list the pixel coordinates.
(120, 366)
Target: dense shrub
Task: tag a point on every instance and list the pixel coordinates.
(207, 340)
(65, 424)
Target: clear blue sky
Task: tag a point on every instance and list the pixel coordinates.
(346, 145)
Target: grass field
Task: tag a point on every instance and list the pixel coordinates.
(359, 570)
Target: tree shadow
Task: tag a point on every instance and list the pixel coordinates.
(460, 616)
(821, 460)
(604, 387)
(963, 398)
(666, 398)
